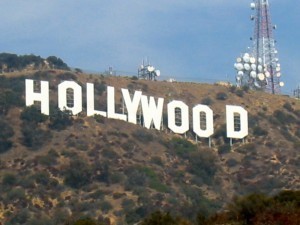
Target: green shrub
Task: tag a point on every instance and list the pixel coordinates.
(157, 160)
(135, 178)
(240, 93)
(99, 119)
(33, 114)
(157, 185)
(42, 178)
(105, 206)
(47, 160)
(60, 120)
(8, 99)
(129, 145)
(16, 194)
(100, 87)
(181, 147)
(102, 172)
(98, 194)
(284, 118)
(253, 121)
(288, 107)
(288, 136)
(128, 204)
(221, 96)
(78, 174)
(231, 162)
(221, 132)
(297, 133)
(207, 101)
(203, 164)
(6, 130)
(142, 135)
(9, 179)
(6, 133)
(245, 88)
(33, 136)
(58, 63)
(116, 178)
(245, 208)
(232, 88)
(250, 147)
(109, 153)
(86, 221)
(21, 217)
(258, 131)
(223, 149)
(159, 218)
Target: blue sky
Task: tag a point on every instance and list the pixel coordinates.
(188, 40)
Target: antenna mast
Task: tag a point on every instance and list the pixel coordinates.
(264, 45)
(265, 72)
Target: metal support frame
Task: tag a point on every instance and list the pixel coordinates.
(264, 46)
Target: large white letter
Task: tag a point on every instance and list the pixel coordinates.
(111, 112)
(209, 121)
(184, 127)
(77, 96)
(90, 102)
(232, 131)
(152, 112)
(42, 97)
(132, 105)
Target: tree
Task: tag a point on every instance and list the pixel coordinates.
(57, 63)
(60, 120)
(6, 133)
(246, 208)
(159, 218)
(33, 114)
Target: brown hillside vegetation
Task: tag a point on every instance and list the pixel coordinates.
(63, 166)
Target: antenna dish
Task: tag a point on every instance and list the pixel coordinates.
(260, 68)
(239, 59)
(253, 67)
(277, 69)
(252, 5)
(239, 66)
(281, 84)
(267, 74)
(278, 74)
(259, 60)
(246, 58)
(157, 72)
(240, 73)
(253, 74)
(261, 76)
(151, 68)
(252, 60)
(247, 66)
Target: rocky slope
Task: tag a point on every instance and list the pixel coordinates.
(56, 167)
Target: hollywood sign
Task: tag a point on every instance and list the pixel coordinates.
(152, 109)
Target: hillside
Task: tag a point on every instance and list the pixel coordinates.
(56, 167)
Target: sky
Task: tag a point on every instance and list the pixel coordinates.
(188, 40)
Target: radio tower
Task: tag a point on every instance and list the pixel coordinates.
(264, 45)
(261, 69)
